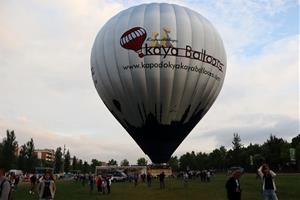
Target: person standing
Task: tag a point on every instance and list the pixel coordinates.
(104, 185)
(136, 178)
(33, 180)
(83, 179)
(91, 183)
(208, 175)
(162, 180)
(233, 186)
(5, 186)
(46, 188)
(149, 179)
(108, 184)
(99, 183)
(267, 176)
(185, 179)
(17, 180)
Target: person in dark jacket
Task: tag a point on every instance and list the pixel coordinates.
(149, 179)
(108, 183)
(162, 180)
(233, 186)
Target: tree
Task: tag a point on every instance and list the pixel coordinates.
(272, 149)
(296, 141)
(174, 163)
(217, 158)
(258, 160)
(85, 167)
(22, 159)
(31, 161)
(298, 157)
(296, 144)
(9, 149)
(95, 163)
(199, 161)
(58, 163)
(236, 153)
(185, 160)
(1, 148)
(80, 165)
(124, 162)
(67, 164)
(112, 162)
(74, 163)
(236, 142)
(142, 162)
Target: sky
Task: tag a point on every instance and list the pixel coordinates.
(47, 92)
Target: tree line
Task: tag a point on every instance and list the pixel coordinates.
(13, 156)
(275, 151)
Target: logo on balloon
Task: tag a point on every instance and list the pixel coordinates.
(134, 38)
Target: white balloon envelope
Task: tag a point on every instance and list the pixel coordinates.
(158, 68)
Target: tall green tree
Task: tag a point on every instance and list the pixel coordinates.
(112, 162)
(86, 167)
(296, 144)
(80, 165)
(142, 162)
(9, 150)
(1, 149)
(94, 164)
(236, 153)
(295, 141)
(272, 149)
(58, 162)
(22, 159)
(185, 161)
(67, 162)
(31, 158)
(236, 142)
(217, 158)
(199, 161)
(124, 162)
(74, 163)
(174, 163)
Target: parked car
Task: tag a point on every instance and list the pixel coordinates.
(118, 176)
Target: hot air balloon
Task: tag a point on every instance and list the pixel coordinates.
(158, 87)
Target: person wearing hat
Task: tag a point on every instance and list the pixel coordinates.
(233, 186)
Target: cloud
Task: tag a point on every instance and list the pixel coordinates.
(259, 98)
(254, 128)
(80, 144)
(245, 26)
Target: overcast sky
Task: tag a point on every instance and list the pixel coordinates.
(47, 93)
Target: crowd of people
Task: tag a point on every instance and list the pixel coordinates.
(45, 187)
(102, 183)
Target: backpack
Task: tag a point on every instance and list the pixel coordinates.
(10, 189)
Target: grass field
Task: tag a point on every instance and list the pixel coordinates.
(288, 189)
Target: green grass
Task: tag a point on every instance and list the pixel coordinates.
(288, 189)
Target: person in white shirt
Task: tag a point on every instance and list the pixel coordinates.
(268, 183)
